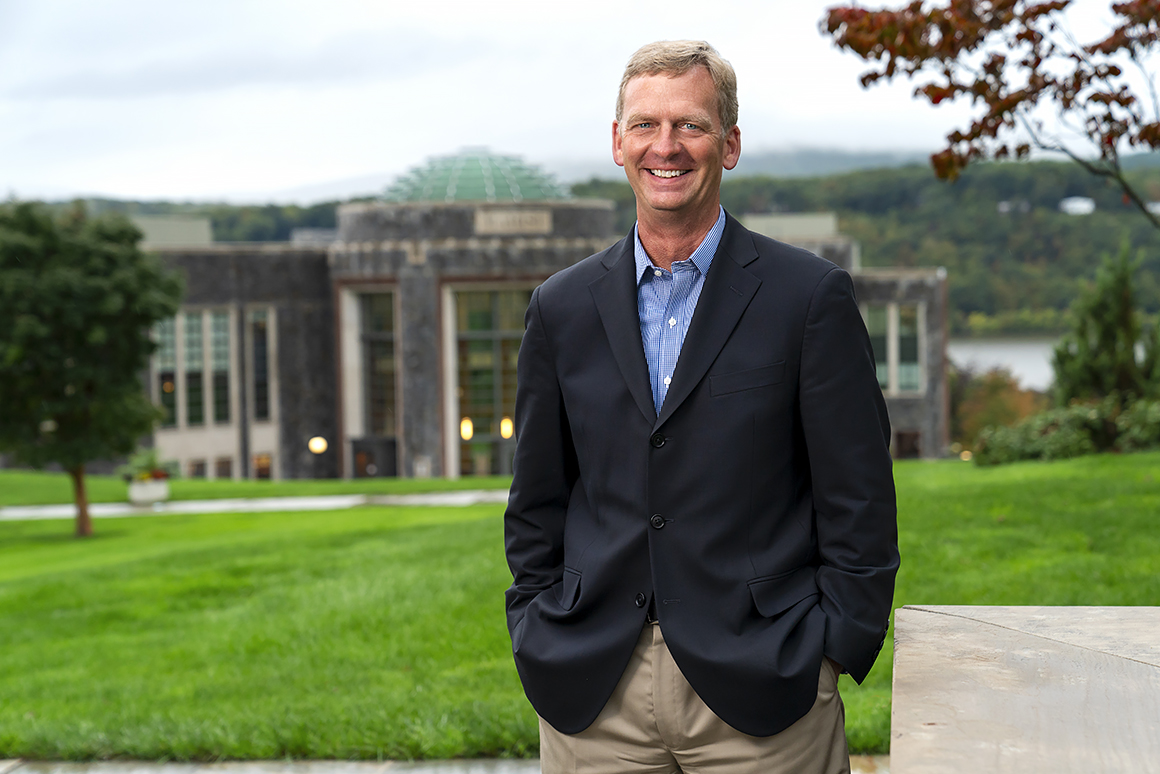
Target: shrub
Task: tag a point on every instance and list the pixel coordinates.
(1139, 426)
(1072, 431)
(990, 398)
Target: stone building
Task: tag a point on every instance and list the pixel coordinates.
(245, 370)
(395, 339)
(396, 342)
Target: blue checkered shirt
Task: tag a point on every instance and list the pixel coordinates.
(666, 301)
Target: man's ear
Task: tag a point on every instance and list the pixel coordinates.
(732, 148)
(617, 149)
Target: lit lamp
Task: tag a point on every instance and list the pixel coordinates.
(506, 428)
(466, 429)
(317, 444)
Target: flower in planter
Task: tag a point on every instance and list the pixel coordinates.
(146, 465)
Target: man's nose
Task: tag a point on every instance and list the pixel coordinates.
(667, 142)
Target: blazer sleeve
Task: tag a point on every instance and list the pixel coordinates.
(847, 437)
(544, 472)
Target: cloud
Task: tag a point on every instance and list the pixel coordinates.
(362, 56)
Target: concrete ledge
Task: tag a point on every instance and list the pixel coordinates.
(8, 765)
(1025, 689)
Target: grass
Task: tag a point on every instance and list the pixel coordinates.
(22, 487)
(378, 632)
(365, 633)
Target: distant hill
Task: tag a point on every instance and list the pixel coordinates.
(819, 162)
(801, 162)
(1141, 161)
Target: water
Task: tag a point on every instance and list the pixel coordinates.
(1028, 359)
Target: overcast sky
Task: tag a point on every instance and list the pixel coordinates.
(253, 100)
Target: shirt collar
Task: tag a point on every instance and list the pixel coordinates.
(702, 257)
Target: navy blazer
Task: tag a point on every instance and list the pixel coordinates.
(758, 507)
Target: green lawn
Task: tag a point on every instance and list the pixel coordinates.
(379, 631)
(20, 487)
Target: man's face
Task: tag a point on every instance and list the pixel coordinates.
(671, 144)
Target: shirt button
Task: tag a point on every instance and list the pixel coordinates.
(657, 440)
(657, 272)
(640, 600)
(657, 521)
(668, 380)
(672, 321)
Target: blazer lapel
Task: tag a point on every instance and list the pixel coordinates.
(727, 292)
(615, 297)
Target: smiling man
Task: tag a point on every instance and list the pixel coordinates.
(701, 526)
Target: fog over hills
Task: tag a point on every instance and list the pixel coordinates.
(806, 162)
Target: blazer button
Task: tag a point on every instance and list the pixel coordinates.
(657, 440)
(640, 600)
(657, 521)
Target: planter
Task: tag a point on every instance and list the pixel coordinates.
(149, 491)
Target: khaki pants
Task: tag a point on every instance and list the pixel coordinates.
(654, 723)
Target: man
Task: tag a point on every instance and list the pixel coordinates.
(701, 526)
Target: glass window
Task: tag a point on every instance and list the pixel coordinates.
(197, 468)
(262, 464)
(194, 370)
(166, 359)
(223, 467)
(909, 375)
(378, 343)
(877, 328)
(220, 363)
(490, 327)
(260, 341)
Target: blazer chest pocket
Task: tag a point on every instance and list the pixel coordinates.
(723, 384)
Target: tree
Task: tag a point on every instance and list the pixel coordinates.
(77, 300)
(1108, 352)
(992, 398)
(1010, 57)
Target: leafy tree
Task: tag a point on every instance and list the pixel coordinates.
(77, 300)
(1009, 57)
(1099, 358)
(992, 398)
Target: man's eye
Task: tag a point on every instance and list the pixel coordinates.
(691, 127)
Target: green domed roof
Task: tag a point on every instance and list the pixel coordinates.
(475, 175)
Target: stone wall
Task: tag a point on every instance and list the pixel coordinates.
(296, 282)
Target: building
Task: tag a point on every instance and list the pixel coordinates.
(394, 339)
(396, 342)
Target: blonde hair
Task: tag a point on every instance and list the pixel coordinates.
(677, 57)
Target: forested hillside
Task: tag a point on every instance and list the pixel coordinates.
(230, 222)
(1015, 262)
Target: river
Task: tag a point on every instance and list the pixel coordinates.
(1028, 359)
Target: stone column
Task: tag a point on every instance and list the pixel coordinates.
(420, 441)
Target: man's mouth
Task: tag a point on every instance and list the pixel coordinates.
(667, 172)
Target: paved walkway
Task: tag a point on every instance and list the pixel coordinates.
(253, 504)
(860, 764)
